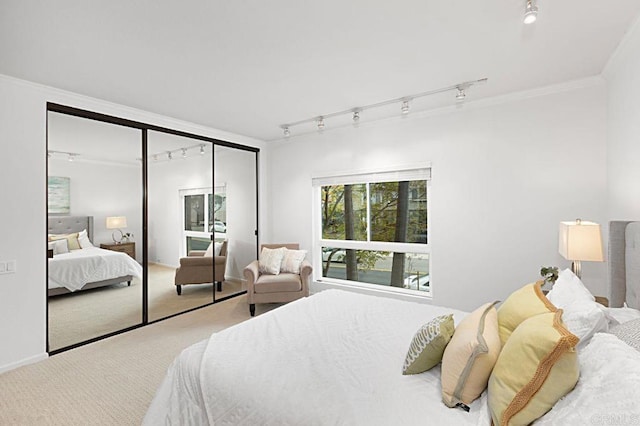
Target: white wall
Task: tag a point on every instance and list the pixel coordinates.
(504, 176)
(623, 83)
(23, 212)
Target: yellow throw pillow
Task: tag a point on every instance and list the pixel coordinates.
(537, 366)
(520, 305)
(72, 240)
(470, 356)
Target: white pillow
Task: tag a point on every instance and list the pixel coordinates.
(568, 289)
(209, 252)
(83, 239)
(581, 314)
(270, 260)
(58, 246)
(584, 319)
(291, 261)
(622, 315)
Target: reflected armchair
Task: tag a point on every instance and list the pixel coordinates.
(197, 268)
(281, 288)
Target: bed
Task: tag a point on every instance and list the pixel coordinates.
(336, 358)
(89, 267)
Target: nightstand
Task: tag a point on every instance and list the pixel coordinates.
(128, 248)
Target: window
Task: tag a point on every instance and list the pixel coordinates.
(202, 218)
(372, 229)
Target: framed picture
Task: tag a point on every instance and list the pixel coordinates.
(58, 195)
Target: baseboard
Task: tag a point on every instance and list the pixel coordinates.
(26, 361)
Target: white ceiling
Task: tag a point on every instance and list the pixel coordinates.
(248, 66)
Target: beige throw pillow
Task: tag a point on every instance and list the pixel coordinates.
(292, 260)
(470, 356)
(520, 305)
(537, 366)
(427, 346)
(72, 240)
(270, 260)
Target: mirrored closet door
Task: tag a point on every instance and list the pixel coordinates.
(235, 214)
(180, 224)
(94, 185)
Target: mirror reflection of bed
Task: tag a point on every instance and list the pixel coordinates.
(95, 180)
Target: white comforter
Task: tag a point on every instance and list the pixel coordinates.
(75, 269)
(336, 358)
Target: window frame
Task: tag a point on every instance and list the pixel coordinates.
(388, 175)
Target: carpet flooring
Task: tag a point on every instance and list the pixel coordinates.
(77, 317)
(110, 382)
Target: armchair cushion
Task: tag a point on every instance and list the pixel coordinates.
(270, 260)
(278, 283)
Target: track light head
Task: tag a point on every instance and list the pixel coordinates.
(356, 117)
(286, 131)
(155, 157)
(320, 124)
(531, 12)
(405, 107)
(202, 149)
(460, 95)
(169, 155)
(71, 157)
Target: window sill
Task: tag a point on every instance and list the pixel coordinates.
(372, 289)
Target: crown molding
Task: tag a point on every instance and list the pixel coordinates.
(611, 63)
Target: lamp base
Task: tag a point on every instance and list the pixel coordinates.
(576, 268)
(113, 236)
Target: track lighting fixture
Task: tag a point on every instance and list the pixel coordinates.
(202, 149)
(184, 152)
(531, 12)
(461, 89)
(405, 107)
(71, 157)
(169, 155)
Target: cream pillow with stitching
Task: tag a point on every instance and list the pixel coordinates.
(83, 239)
(58, 246)
(520, 305)
(428, 344)
(270, 260)
(292, 260)
(537, 366)
(72, 240)
(470, 356)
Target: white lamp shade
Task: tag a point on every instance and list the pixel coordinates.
(580, 240)
(116, 222)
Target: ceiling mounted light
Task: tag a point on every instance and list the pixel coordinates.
(531, 12)
(202, 149)
(460, 95)
(356, 116)
(320, 124)
(405, 107)
(286, 131)
(184, 152)
(71, 157)
(169, 155)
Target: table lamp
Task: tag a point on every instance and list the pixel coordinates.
(116, 222)
(580, 240)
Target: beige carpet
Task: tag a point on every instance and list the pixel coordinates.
(77, 317)
(110, 382)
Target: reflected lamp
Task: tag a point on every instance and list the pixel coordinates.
(117, 223)
(579, 241)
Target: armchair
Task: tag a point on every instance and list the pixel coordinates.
(197, 268)
(284, 287)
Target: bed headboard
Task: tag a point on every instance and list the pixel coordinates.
(70, 224)
(624, 264)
